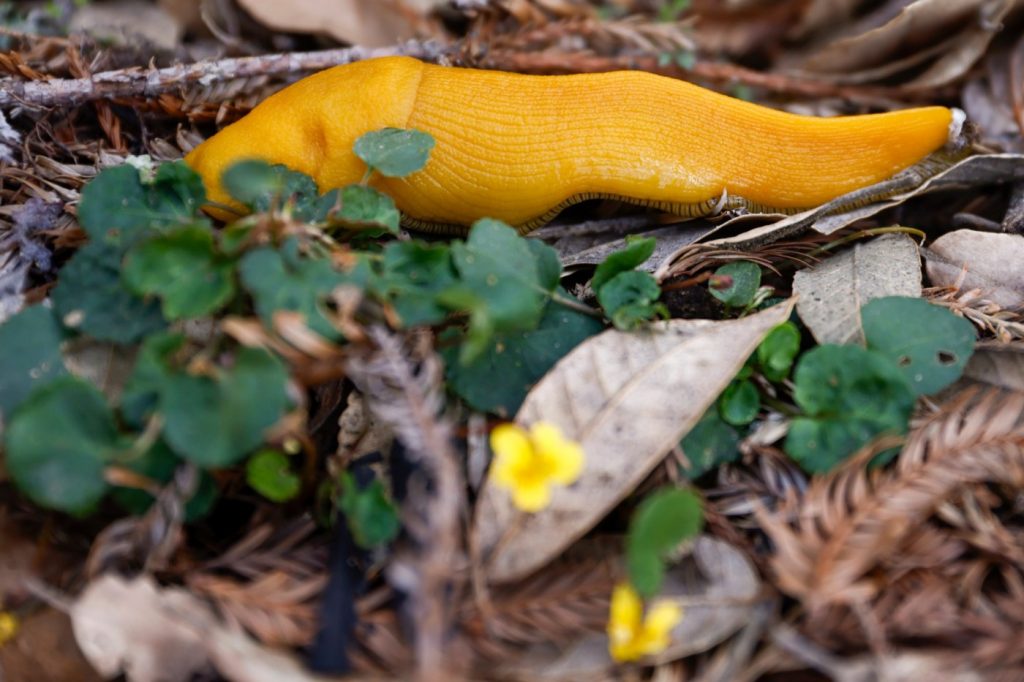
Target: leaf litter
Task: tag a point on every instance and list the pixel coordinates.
(899, 563)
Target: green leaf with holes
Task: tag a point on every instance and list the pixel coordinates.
(929, 344)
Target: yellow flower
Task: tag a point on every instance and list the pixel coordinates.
(8, 627)
(631, 635)
(528, 463)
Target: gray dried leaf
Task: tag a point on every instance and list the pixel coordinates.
(627, 398)
(987, 261)
(974, 171)
(830, 294)
(997, 364)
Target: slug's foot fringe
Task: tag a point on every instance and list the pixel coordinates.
(955, 151)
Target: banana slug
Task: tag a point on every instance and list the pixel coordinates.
(520, 148)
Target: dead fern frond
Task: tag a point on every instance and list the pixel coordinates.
(269, 582)
(278, 608)
(856, 518)
(555, 606)
(1004, 325)
(402, 379)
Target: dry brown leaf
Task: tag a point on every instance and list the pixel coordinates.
(627, 398)
(368, 23)
(984, 260)
(953, 32)
(997, 364)
(820, 14)
(167, 635)
(125, 21)
(124, 627)
(830, 294)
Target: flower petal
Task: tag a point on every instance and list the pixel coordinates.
(512, 454)
(531, 496)
(661, 618)
(563, 458)
(626, 610)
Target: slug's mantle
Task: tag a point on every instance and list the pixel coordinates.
(519, 148)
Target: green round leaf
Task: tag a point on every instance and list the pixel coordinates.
(929, 344)
(282, 280)
(269, 473)
(778, 351)
(412, 276)
(499, 378)
(746, 278)
(664, 519)
(264, 187)
(364, 207)
(739, 403)
(58, 442)
(502, 276)
(31, 354)
(394, 152)
(850, 395)
(371, 515)
(184, 270)
(709, 443)
(92, 298)
(118, 207)
(214, 423)
(637, 251)
(630, 298)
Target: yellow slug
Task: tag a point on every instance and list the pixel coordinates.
(519, 148)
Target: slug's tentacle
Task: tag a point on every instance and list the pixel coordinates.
(521, 148)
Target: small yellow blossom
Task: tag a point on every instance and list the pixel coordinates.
(528, 463)
(631, 635)
(8, 626)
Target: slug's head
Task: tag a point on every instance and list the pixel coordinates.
(311, 125)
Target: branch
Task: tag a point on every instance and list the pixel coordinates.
(151, 83)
